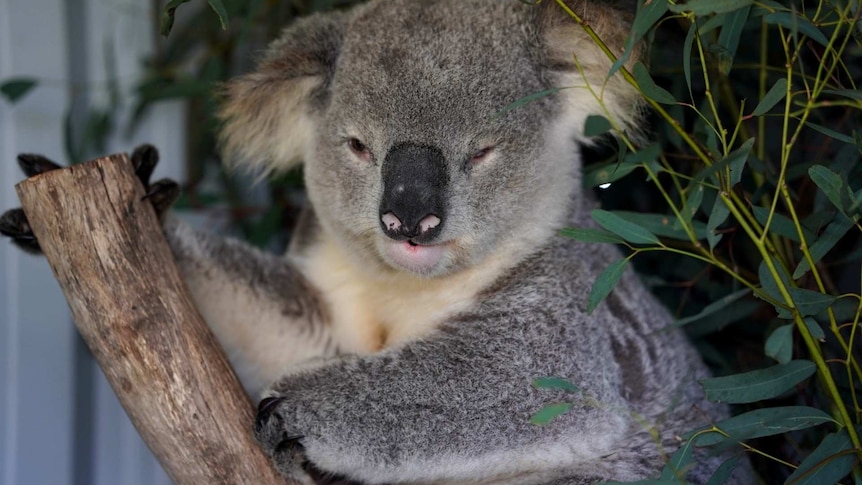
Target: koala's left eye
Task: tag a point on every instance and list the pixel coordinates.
(481, 154)
(359, 149)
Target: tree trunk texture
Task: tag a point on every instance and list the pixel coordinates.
(106, 248)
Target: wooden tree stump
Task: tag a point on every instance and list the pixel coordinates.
(106, 248)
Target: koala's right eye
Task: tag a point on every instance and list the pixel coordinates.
(359, 149)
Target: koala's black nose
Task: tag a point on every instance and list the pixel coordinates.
(415, 184)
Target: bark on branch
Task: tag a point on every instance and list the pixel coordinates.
(108, 252)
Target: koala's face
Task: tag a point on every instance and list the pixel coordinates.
(397, 109)
(414, 163)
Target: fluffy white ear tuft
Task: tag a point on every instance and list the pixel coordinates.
(268, 116)
(580, 66)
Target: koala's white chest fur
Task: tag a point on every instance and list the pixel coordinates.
(371, 312)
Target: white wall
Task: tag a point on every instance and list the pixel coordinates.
(60, 424)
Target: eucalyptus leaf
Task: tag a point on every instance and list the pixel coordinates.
(678, 465)
(810, 302)
(814, 328)
(605, 283)
(647, 15)
(735, 161)
(649, 87)
(16, 88)
(832, 185)
(780, 224)
(714, 307)
(550, 412)
(724, 471)
(629, 231)
(591, 235)
(706, 7)
(608, 173)
(719, 214)
(830, 237)
(663, 225)
(764, 422)
(775, 94)
(847, 93)
(797, 24)
(168, 16)
(731, 32)
(218, 8)
(555, 383)
(527, 99)
(828, 463)
(759, 384)
(831, 133)
(779, 345)
(596, 125)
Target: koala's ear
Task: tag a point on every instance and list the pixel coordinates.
(268, 115)
(574, 61)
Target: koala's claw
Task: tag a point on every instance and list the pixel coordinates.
(144, 160)
(286, 450)
(14, 224)
(32, 164)
(161, 194)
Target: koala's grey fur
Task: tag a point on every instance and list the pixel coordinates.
(391, 369)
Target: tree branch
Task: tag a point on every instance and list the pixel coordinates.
(108, 252)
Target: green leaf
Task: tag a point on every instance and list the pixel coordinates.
(218, 8)
(734, 161)
(168, 15)
(723, 472)
(814, 328)
(527, 99)
(847, 93)
(810, 302)
(764, 422)
(706, 7)
(830, 237)
(608, 173)
(775, 94)
(832, 185)
(781, 224)
(779, 345)
(713, 307)
(555, 383)
(827, 463)
(596, 125)
(649, 87)
(728, 39)
(16, 88)
(831, 133)
(759, 384)
(692, 203)
(550, 412)
(797, 24)
(663, 225)
(590, 235)
(686, 55)
(629, 231)
(717, 217)
(647, 15)
(770, 286)
(678, 465)
(605, 283)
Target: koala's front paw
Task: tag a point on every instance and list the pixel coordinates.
(279, 442)
(162, 193)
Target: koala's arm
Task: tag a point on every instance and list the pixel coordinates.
(453, 407)
(263, 311)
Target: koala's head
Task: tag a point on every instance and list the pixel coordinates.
(402, 111)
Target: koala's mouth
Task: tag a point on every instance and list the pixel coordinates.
(416, 257)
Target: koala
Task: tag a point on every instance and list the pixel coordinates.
(426, 286)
